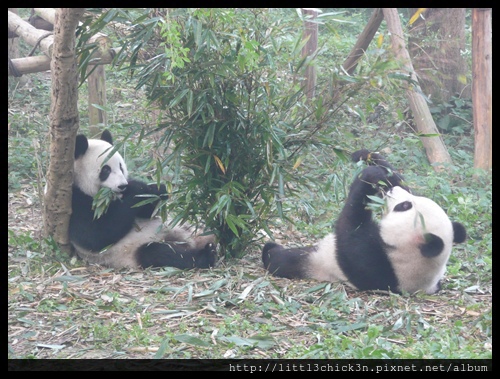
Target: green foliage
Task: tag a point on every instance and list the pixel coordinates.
(454, 116)
(235, 122)
(101, 201)
(241, 133)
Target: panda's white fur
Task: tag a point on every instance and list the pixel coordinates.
(407, 251)
(322, 264)
(124, 252)
(126, 235)
(414, 270)
(88, 167)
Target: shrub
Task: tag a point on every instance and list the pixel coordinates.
(229, 116)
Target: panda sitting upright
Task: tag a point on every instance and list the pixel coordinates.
(406, 252)
(126, 235)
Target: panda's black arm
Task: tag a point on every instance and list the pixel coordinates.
(355, 213)
(137, 187)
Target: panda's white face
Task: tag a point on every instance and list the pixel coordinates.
(409, 217)
(419, 236)
(91, 174)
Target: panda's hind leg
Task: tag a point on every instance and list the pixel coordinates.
(188, 234)
(179, 255)
(286, 263)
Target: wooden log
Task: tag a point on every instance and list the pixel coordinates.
(104, 52)
(30, 34)
(36, 21)
(30, 65)
(48, 14)
(13, 44)
(41, 24)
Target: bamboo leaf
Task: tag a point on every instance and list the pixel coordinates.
(220, 164)
(209, 137)
(262, 342)
(178, 98)
(231, 225)
(416, 15)
(380, 40)
(162, 349)
(297, 163)
(191, 340)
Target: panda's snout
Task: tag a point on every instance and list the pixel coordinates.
(122, 187)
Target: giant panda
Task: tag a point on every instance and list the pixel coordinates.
(126, 235)
(406, 252)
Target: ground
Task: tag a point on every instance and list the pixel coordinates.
(62, 308)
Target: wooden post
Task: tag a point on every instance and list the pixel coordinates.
(97, 95)
(97, 85)
(363, 41)
(311, 32)
(482, 87)
(434, 146)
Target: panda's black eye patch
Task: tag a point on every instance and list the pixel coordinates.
(121, 168)
(402, 207)
(104, 174)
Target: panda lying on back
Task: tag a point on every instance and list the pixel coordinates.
(126, 236)
(406, 252)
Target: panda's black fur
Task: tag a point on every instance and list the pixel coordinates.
(406, 251)
(125, 235)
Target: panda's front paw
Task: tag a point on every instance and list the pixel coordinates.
(359, 155)
(160, 191)
(135, 187)
(381, 177)
(207, 256)
(371, 159)
(374, 175)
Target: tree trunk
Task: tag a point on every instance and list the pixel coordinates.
(363, 41)
(311, 32)
(64, 122)
(434, 146)
(482, 87)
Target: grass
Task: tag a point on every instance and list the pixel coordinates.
(64, 309)
(91, 312)
(58, 307)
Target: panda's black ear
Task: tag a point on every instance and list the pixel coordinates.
(459, 232)
(81, 145)
(106, 136)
